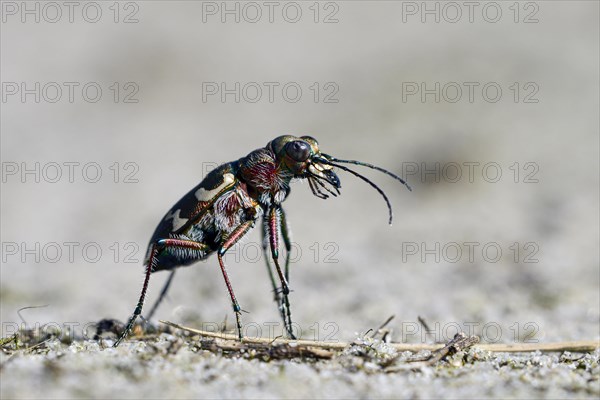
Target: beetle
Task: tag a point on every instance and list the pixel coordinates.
(226, 204)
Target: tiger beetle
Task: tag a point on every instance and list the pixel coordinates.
(220, 210)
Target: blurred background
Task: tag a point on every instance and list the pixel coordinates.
(111, 111)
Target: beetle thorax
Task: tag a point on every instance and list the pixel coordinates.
(265, 178)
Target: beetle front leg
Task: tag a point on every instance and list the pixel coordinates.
(156, 247)
(273, 224)
(231, 240)
(265, 245)
(287, 241)
(285, 232)
(276, 292)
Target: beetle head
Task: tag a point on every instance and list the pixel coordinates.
(302, 157)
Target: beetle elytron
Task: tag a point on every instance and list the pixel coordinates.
(218, 212)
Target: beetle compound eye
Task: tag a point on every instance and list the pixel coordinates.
(298, 150)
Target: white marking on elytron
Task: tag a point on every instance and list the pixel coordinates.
(207, 195)
(178, 222)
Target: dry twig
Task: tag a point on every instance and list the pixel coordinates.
(578, 346)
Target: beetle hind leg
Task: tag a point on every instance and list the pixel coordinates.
(159, 245)
(162, 295)
(140, 304)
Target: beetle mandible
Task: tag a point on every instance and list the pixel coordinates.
(222, 208)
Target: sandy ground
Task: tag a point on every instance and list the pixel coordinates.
(158, 369)
(499, 236)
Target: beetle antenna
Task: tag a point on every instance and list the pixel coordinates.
(364, 164)
(387, 201)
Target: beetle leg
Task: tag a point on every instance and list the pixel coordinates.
(140, 304)
(163, 293)
(287, 241)
(274, 221)
(156, 247)
(276, 292)
(231, 240)
(265, 244)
